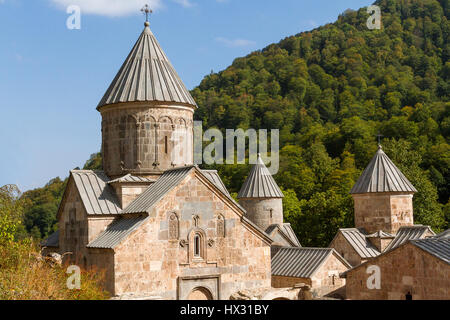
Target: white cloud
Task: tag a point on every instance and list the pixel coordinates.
(185, 3)
(233, 43)
(110, 8)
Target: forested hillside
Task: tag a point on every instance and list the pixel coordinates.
(331, 91)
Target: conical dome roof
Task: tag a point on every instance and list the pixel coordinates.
(147, 75)
(260, 183)
(381, 175)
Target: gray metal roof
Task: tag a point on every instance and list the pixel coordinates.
(260, 183)
(287, 231)
(443, 235)
(147, 75)
(130, 179)
(405, 234)
(381, 175)
(214, 177)
(169, 180)
(52, 240)
(439, 248)
(97, 196)
(116, 232)
(301, 262)
(357, 239)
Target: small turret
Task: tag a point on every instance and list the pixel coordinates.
(383, 197)
(261, 197)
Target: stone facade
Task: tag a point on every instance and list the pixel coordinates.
(158, 259)
(146, 138)
(263, 212)
(405, 270)
(385, 211)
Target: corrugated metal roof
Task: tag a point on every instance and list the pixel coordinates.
(409, 233)
(130, 178)
(357, 239)
(52, 240)
(97, 196)
(300, 262)
(443, 235)
(169, 180)
(116, 232)
(439, 248)
(287, 231)
(381, 175)
(260, 183)
(147, 75)
(214, 177)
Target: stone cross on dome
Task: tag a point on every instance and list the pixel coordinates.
(146, 10)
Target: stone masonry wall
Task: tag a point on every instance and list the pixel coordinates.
(288, 282)
(146, 139)
(263, 212)
(383, 211)
(326, 279)
(405, 269)
(158, 259)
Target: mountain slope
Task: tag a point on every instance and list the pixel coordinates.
(330, 92)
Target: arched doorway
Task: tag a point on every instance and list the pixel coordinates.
(200, 294)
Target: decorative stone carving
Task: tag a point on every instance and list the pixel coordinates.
(211, 243)
(173, 226)
(184, 243)
(220, 227)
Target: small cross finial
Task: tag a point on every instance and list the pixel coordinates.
(146, 10)
(379, 136)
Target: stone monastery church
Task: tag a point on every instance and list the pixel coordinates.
(160, 227)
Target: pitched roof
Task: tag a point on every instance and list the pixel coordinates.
(52, 240)
(443, 235)
(116, 232)
(130, 178)
(260, 183)
(405, 234)
(97, 196)
(286, 230)
(147, 75)
(439, 248)
(381, 175)
(214, 177)
(169, 180)
(301, 262)
(357, 239)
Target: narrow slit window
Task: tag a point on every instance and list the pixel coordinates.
(197, 246)
(165, 145)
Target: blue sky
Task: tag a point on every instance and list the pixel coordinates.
(52, 78)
